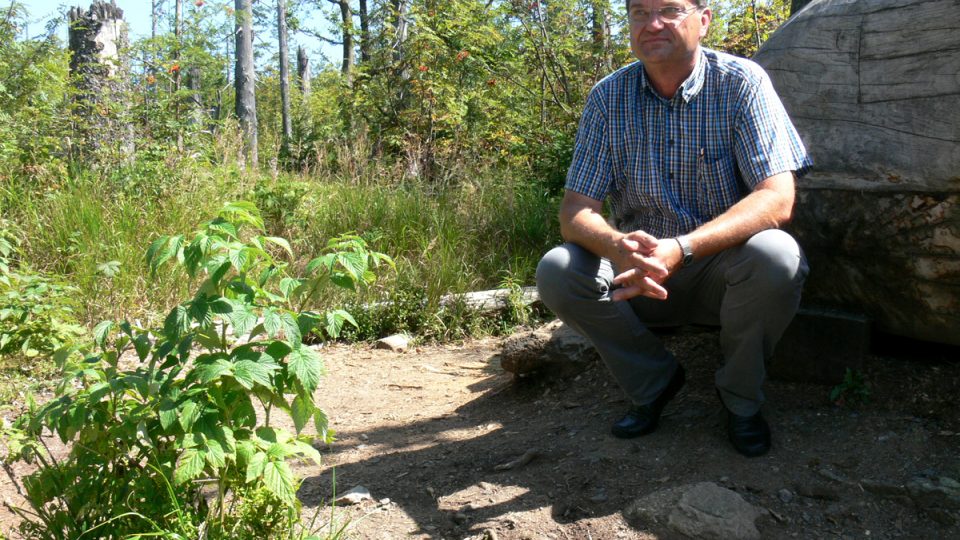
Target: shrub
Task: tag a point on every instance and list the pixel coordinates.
(163, 424)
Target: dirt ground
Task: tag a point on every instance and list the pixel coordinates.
(450, 446)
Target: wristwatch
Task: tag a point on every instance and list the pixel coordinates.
(686, 249)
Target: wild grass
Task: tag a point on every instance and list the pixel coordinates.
(478, 228)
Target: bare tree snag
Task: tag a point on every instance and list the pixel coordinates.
(284, 78)
(878, 105)
(365, 44)
(245, 79)
(97, 39)
(303, 71)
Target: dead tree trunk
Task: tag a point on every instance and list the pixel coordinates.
(97, 38)
(601, 42)
(245, 78)
(303, 71)
(284, 79)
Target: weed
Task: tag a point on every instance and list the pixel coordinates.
(853, 391)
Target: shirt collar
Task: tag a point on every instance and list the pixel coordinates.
(691, 86)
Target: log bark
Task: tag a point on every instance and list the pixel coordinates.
(245, 79)
(877, 103)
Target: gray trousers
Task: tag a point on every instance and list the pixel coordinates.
(751, 291)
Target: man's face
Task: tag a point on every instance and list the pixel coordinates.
(658, 40)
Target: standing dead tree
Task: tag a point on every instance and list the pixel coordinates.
(97, 38)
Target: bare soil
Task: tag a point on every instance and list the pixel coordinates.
(450, 446)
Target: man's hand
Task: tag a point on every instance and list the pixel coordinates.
(646, 264)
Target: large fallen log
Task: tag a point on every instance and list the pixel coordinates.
(874, 89)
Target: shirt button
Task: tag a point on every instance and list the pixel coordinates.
(670, 142)
(670, 176)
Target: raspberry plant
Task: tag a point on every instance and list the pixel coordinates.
(196, 404)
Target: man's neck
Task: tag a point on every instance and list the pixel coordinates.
(667, 78)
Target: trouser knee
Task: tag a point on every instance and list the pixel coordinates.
(772, 262)
(565, 275)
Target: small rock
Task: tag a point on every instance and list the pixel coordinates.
(460, 518)
(941, 516)
(941, 493)
(395, 343)
(385, 501)
(354, 495)
(599, 497)
(703, 510)
(785, 495)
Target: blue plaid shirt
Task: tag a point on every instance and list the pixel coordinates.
(669, 166)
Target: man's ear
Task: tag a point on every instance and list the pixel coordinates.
(705, 17)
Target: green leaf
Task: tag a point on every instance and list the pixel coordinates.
(322, 425)
(335, 321)
(212, 369)
(239, 257)
(291, 330)
(189, 413)
(271, 322)
(168, 413)
(301, 410)
(101, 332)
(256, 466)
(306, 367)
(213, 454)
(242, 318)
(190, 466)
(288, 285)
(250, 371)
(177, 323)
(282, 242)
(142, 345)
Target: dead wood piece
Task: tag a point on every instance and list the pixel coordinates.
(526, 458)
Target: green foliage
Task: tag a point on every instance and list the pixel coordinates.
(740, 26)
(36, 313)
(853, 391)
(153, 415)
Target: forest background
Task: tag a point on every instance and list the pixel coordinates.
(427, 161)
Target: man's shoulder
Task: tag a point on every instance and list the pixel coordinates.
(734, 69)
(622, 79)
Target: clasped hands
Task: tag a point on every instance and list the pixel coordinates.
(644, 263)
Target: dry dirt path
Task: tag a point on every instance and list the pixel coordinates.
(428, 433)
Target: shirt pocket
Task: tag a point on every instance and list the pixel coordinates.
(718, 184)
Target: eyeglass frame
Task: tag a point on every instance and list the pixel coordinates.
(659, 11)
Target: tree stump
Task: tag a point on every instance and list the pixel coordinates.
(97, 39)
(877, 102)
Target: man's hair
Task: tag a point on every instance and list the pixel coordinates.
(699, 3)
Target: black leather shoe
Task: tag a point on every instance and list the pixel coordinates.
(750, 435)
(644, 419)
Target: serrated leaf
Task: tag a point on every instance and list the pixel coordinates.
(335, 321)
(301, 410)
(238, 257)
(177, 323)
(168, 413)
(242, 318)
(142, 345)
(282, 242)
(212, 369)
(256, 466)
(213, 454)
(322, 424)
(190, 466)
(189, 413)
(305, 366)
(291, 330)
(250, 371)
(271, 322)
(307, 450)
(288, 285)
(101, 332)
(355, 264)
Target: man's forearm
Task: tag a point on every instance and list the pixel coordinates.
(769, 206)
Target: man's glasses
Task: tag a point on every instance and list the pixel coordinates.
(668, 15)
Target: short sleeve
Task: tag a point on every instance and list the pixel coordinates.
(765, 141)
(591, 169)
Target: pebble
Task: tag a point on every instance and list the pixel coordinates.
(785, 495)
(460, 518)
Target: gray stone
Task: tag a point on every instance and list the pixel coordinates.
(819, 346)
(703, 510)
(940, 493)
(395, 343)
(355, 495)
(785, 495)
(552, 350)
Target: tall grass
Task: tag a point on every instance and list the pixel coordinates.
(477, 228)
